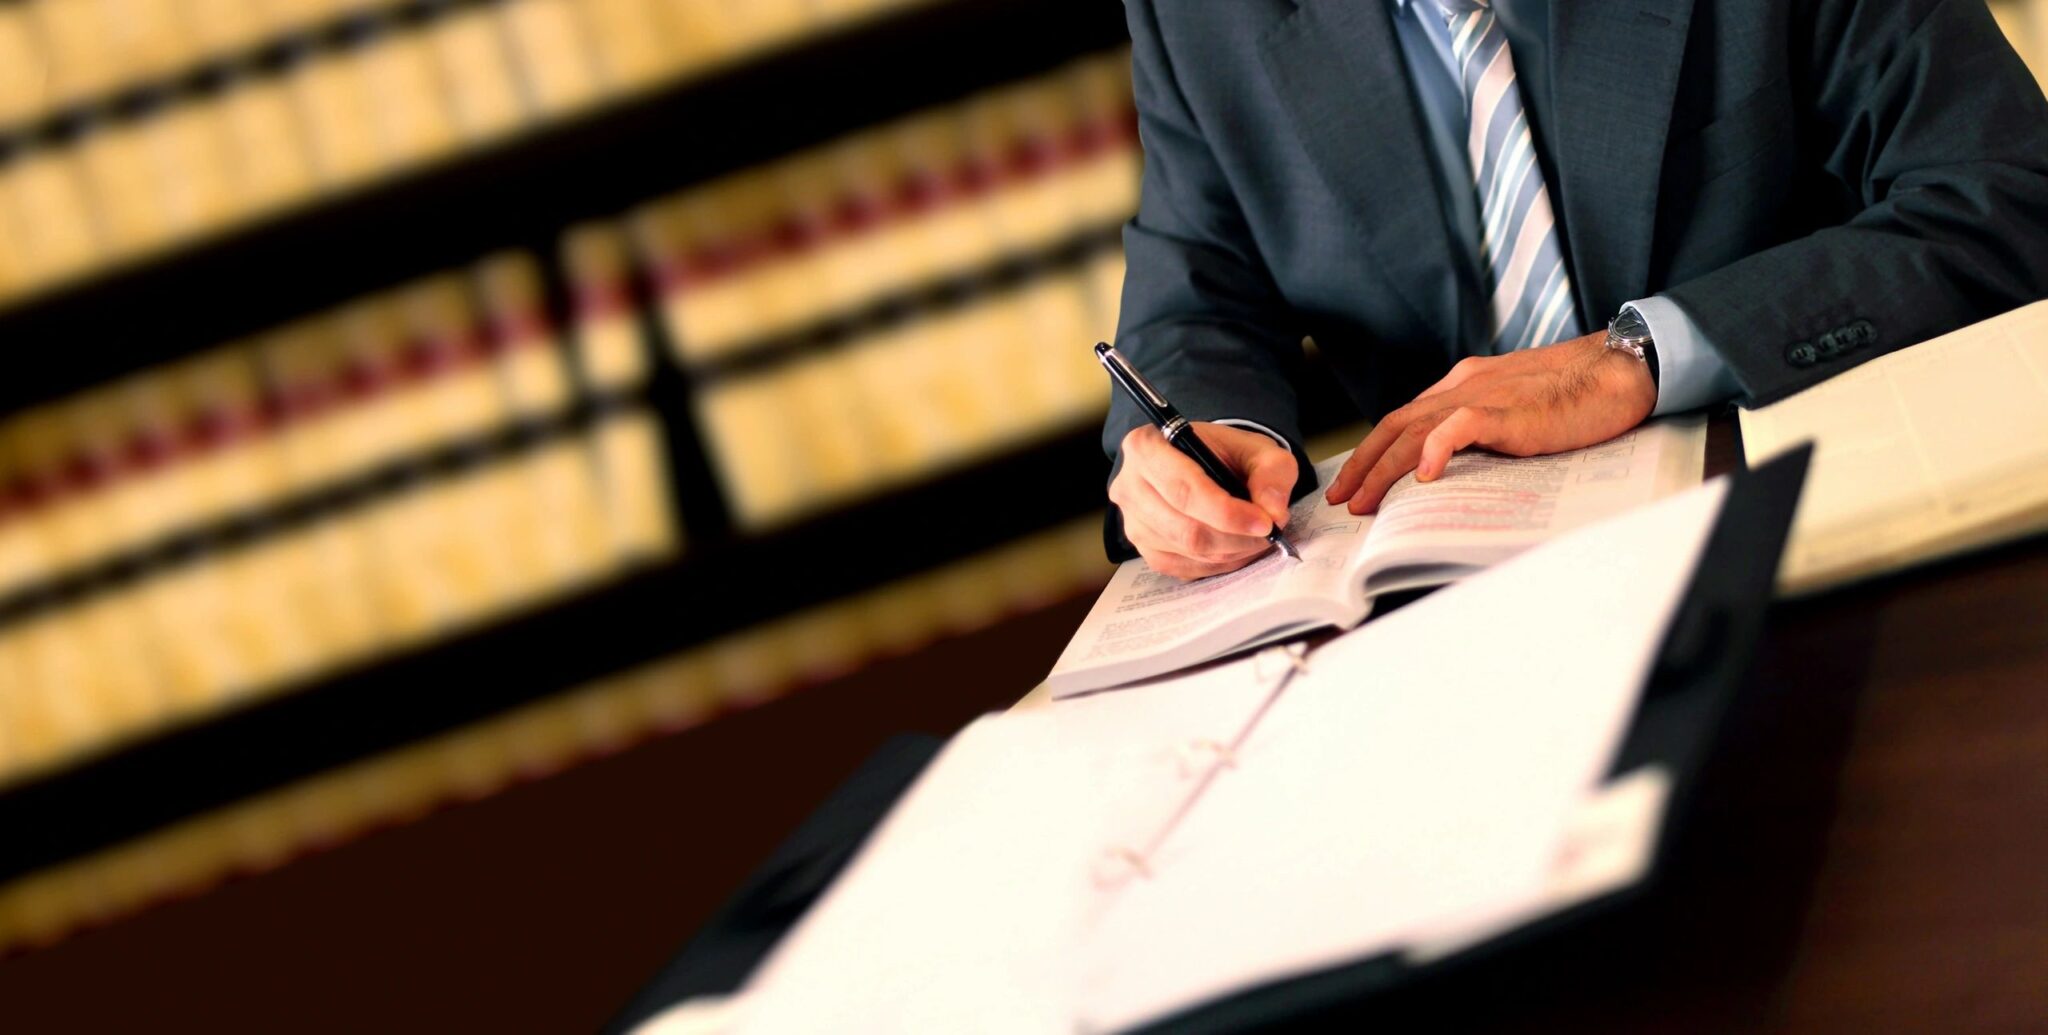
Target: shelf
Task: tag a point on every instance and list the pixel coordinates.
(524, 192)
(714, 589)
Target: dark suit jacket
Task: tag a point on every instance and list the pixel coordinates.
(1815, 182)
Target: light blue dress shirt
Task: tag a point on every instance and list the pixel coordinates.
(1690, 373)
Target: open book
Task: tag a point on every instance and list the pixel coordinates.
(1483, 510)
(1929, 451)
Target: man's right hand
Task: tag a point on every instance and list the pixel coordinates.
(1181, 521)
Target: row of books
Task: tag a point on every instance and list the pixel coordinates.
(745, 669)
(185, 639)
(327, 106)
(892, 404)
(244, 429)
(776, 250)
(904, 300)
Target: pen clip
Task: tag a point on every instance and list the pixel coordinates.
(1121, 369)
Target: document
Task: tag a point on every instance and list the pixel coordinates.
(1484, 509)
(1929, 451)
(974, 893)
(1117, 858)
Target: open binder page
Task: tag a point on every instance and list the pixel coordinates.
(1419, 776)
(965, 909)
(964, 904)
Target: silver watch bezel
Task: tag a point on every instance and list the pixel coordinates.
(1621, 341)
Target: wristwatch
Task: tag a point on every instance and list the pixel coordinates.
(1630, 333)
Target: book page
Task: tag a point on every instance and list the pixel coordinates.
(1926, 451)
(1487, 507)
(1146, 623)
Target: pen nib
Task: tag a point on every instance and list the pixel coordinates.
(1286, 548)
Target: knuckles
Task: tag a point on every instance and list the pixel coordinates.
(1176, 492)
(1191, 539)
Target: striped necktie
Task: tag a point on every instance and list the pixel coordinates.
(1524, 260)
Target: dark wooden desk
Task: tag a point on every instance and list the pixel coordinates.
(1914, 743)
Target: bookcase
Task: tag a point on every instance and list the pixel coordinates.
(409, 398)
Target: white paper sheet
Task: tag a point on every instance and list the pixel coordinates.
(965, 911)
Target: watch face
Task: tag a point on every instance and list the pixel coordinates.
(1630, 324)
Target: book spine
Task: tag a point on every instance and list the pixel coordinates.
(150, 124)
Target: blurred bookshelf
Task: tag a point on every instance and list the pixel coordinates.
(2026, 24)
(415, 397)
(419, 397)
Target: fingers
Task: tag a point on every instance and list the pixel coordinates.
(1185, 488)
(1181, 566)
(1399, 458)
(1157, 527)
(1464, 427)
(1270, 474)
(1267, 467)
(1166, 554)
(1466, 373)
(1352, 475)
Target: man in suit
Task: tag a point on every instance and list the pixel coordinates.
(1528, 225)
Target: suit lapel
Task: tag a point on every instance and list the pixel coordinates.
(1337, 69)
(1615, 73)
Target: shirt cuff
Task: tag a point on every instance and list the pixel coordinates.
(1690, 374)
(1252, 425)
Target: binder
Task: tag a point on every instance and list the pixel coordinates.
(1695, 683)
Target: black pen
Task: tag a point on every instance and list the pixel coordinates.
(1177, 431)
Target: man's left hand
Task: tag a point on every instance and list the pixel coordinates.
(1571, 394)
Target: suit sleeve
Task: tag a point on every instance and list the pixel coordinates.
(1200, 316)
(1925, 113)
